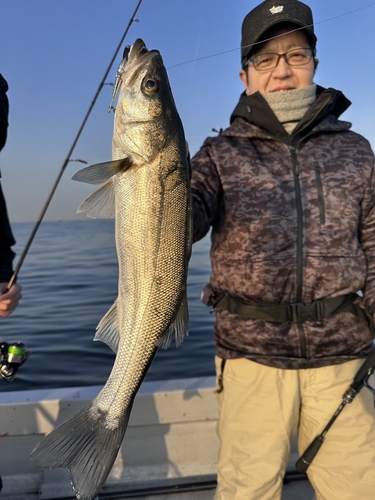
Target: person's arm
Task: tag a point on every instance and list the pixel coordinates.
(367, 239)
(206, 191)
(4, 110)
(6, 242)
(8, 299)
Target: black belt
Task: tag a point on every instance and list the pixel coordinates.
(294, 313)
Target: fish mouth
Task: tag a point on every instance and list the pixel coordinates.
(137, 55)
(135, 51)
(134, 58)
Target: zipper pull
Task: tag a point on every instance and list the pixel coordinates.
(294, 160)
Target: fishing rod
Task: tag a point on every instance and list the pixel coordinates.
(360, 379)
(68, 156)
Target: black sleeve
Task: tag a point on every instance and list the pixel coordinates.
(6, 236)
(4, 110)
(6, 241)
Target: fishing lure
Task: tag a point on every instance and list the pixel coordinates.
(118, 80)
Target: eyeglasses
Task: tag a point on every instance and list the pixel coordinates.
(294, 57)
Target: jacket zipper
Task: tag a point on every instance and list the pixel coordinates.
(299, 243)
(319, 187)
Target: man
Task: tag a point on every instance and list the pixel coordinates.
(8, 298)
(289, 192)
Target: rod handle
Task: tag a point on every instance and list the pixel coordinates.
(307, 457)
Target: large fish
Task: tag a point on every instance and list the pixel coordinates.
(146, 188)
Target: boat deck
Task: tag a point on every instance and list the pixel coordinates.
(169, 451)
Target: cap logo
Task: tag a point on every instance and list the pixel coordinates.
(277, 10)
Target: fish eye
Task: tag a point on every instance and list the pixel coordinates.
(151, 85)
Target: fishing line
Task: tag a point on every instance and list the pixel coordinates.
(68, 157)
(217, 54)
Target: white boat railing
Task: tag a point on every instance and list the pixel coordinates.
(171, 437)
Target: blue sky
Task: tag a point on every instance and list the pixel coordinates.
(54, 54)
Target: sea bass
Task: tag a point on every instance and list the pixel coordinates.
(147, 189)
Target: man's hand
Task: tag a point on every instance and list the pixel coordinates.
(9, 300)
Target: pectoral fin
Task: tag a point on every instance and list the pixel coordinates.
(101, 172)
(101, 203)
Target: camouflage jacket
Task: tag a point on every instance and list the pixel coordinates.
(293, 220)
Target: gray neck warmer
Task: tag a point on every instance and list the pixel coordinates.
(290, 106)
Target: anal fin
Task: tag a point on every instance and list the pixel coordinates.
(179, 328)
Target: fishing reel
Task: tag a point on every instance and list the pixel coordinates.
(12, 356)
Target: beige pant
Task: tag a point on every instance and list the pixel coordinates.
(261, 408)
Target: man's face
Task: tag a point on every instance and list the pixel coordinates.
(283, 77)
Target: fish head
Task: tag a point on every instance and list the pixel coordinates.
(145, 113)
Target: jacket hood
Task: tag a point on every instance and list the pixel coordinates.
(256, 111)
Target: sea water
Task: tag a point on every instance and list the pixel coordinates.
(69, 280)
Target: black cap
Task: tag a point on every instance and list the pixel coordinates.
(269, 13)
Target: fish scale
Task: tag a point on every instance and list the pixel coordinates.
(146, 187)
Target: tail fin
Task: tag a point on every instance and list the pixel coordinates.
(86, 447)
